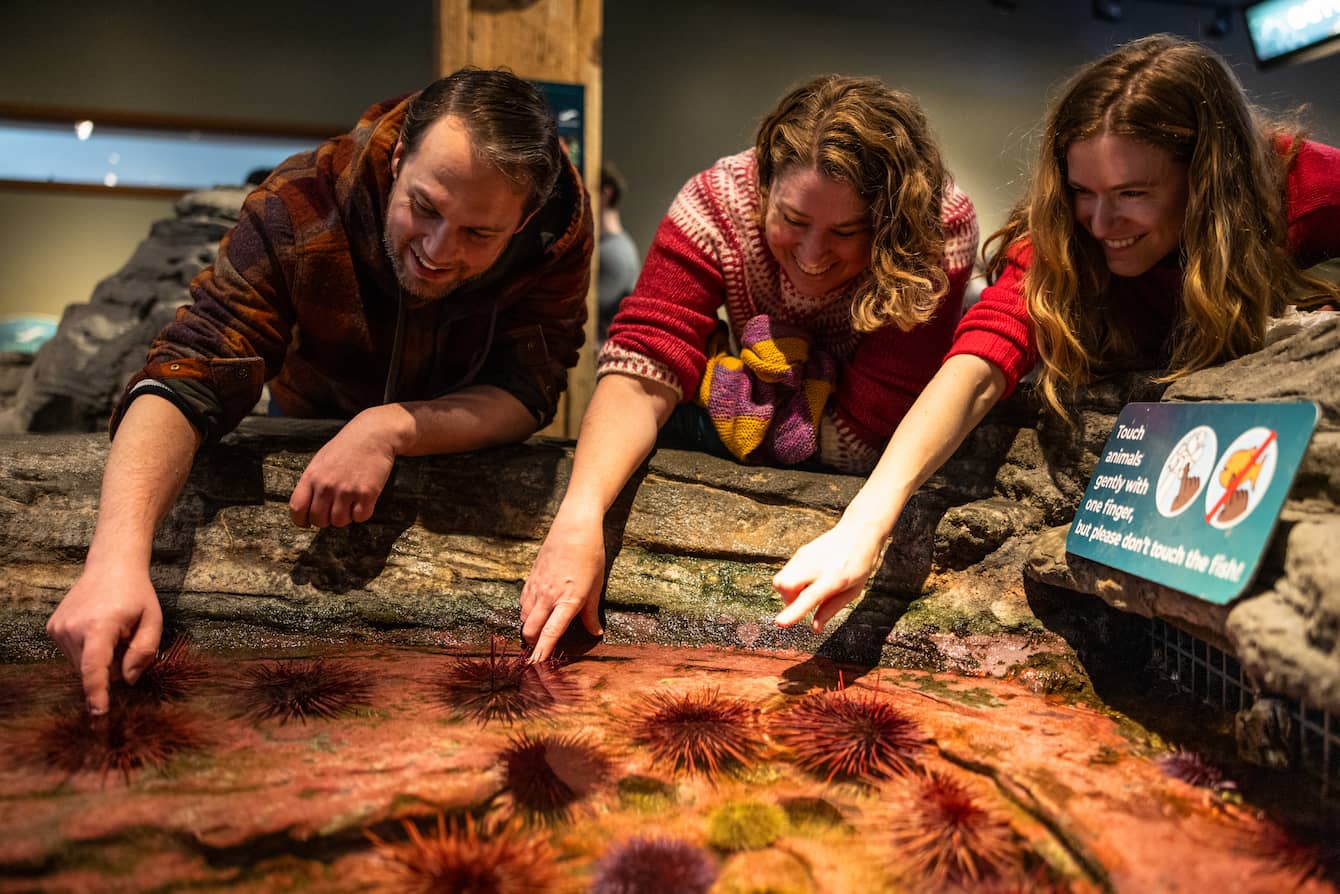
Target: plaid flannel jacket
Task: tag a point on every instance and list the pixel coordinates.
(303, 296)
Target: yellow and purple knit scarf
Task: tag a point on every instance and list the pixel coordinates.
(766, 404)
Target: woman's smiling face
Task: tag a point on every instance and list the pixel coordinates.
(1131, 197)
(818, 229)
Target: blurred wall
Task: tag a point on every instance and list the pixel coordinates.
(687, 83)
(281, 61)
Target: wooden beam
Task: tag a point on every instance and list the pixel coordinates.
(542, 40)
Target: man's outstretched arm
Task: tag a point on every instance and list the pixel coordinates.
(343, 481)
(113, 601)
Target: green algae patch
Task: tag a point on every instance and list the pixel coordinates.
(1056, 673)
(972, 696)
(745, 826)
(645, 794)
(1105, 756)
(755, 774)
(814, 815)
(932, 614)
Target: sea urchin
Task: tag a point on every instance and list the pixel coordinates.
(654, 865)
(501, 687)
(700, 732)
(302, 688)
(1192, 768)
(128, 737)
(465, 857)
(946, 836)
(546, 775)
(834, 734)
(169, 678)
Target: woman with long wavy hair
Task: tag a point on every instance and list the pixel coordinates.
(839, 249)
(1166, 221)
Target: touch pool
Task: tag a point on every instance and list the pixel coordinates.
(635, 768)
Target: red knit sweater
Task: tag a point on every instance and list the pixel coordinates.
(997, 327)
(710, 252)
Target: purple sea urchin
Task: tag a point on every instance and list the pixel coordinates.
(946, 836)
(501, 687)
(700, 732)
(463, 857)
(834, 734)
(1192, 768)
(128, 737)
(546, 775)
(652, 866)
(301, 688)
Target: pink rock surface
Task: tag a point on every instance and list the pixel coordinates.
(271, 806)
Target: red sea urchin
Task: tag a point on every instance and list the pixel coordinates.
(128, 737)
(833, 734)
(546, 775)
(301, 688)
(700, 732)
(464, 857)
(652, 866)
(946, 837)
(170, 678)
(501, 687)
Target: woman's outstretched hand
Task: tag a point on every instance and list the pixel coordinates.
(826, 574)
(565, 582)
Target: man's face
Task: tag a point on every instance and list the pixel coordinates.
(450, 214)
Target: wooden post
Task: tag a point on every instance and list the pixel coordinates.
(542, 40)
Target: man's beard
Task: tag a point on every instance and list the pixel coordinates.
(417, 297)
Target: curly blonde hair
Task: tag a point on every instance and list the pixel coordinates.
(1179, 96)
(876, 139)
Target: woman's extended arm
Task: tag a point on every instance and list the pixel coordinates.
(830, 571)
(617, 433)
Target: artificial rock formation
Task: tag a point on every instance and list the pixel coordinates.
(1286, 629)
(78, 375)
(693, 544)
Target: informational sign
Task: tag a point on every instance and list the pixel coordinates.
(1187, 495)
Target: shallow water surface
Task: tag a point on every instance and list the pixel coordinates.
(385, 768)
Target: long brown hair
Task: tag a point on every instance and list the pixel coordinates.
(1181, 97)
(860, 132)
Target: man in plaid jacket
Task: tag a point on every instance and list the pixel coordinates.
(423, 276)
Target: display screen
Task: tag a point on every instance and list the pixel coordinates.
(1285, 31)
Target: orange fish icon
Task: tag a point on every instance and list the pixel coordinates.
(1242, 466)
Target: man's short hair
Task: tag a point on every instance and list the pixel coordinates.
(510, 123)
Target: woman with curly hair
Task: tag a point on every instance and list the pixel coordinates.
(839, 249)
(1165, 223)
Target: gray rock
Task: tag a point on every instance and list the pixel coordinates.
(1285, 629)
(693, 543)
(78, 375)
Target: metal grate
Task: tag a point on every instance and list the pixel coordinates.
(1216, 678)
